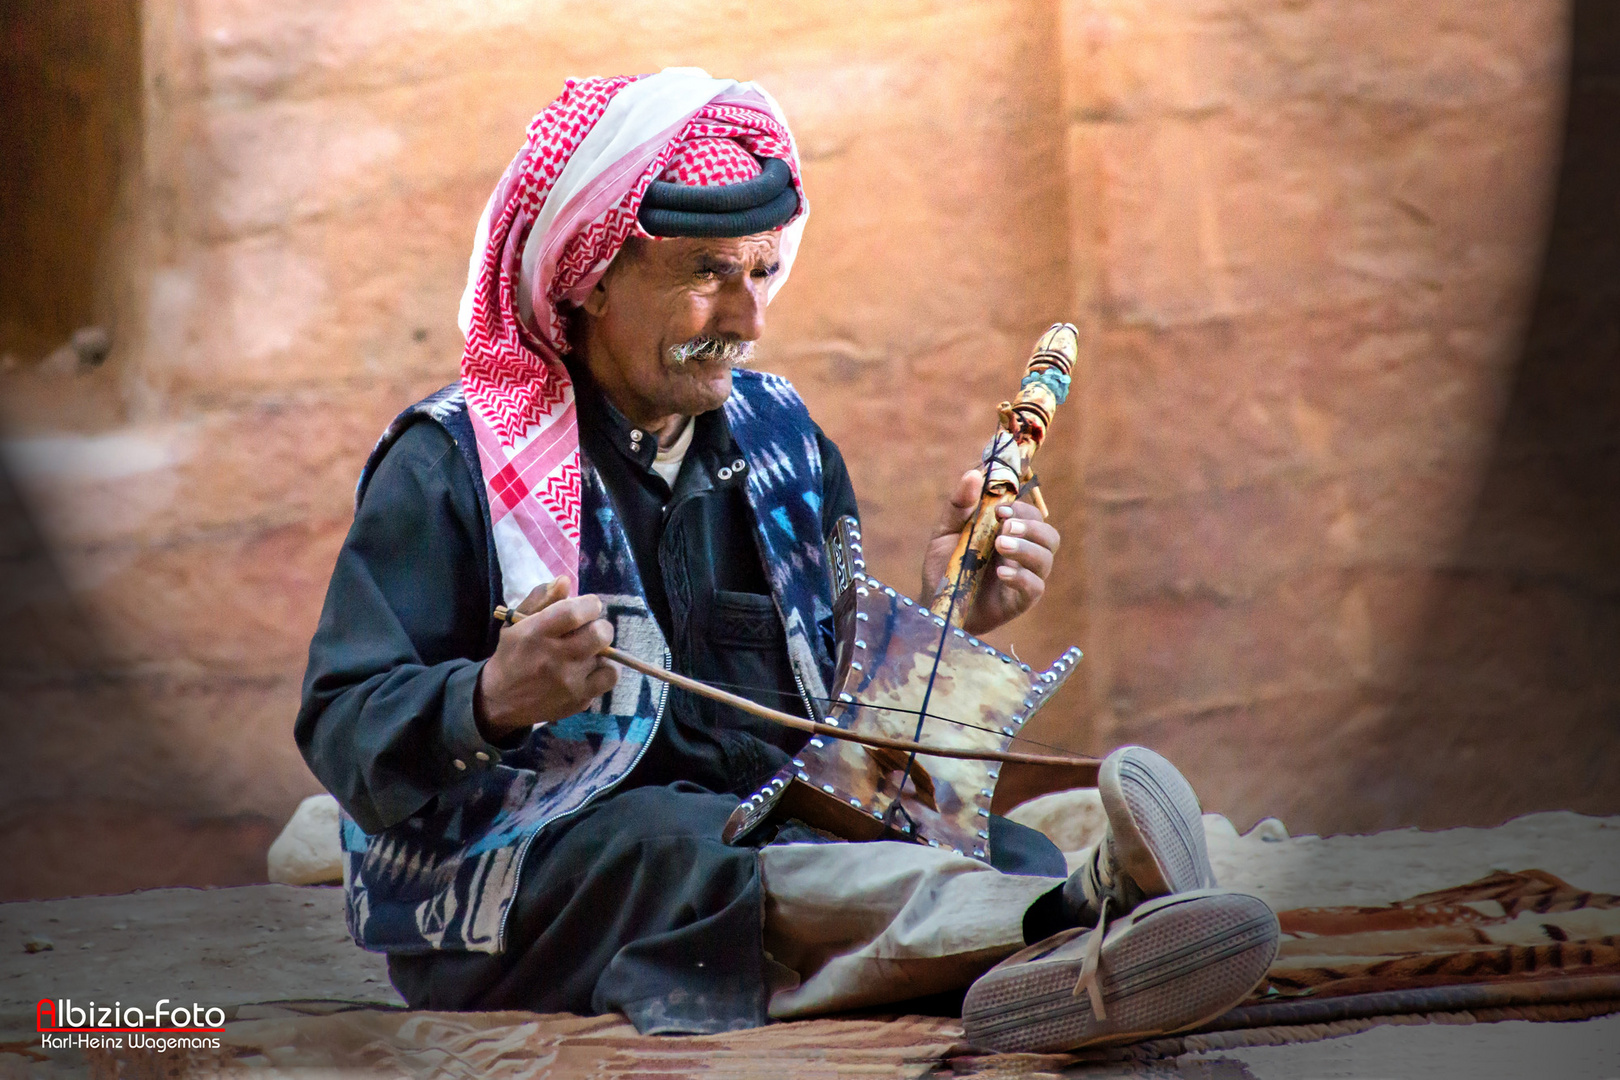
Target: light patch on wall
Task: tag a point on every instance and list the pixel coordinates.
(1314, 429)
(286, 162)
(57, 460)
(275, 294)
(1355, 633)
(1171, 264)
(94, 496)
(1345, 533)
(367, 24)
(829, 106)
(171, 299)
(263, 46)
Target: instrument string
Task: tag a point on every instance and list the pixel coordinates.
(789, 698)
(921, 714)
(894, 807)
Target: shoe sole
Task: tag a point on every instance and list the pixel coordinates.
(1172, 965)
(1157, 824)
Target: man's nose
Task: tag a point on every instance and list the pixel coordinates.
(741, 312)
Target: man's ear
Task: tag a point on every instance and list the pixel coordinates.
(596, 300)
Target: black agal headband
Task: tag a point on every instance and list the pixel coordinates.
(768, 201)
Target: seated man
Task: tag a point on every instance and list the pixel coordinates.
(529, 826)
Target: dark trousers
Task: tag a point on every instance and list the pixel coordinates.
(632, 905)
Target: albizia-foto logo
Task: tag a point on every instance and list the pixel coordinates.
(65, 1025)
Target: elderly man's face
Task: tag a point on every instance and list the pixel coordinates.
(671, 317)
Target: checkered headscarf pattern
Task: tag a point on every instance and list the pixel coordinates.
(706, 162)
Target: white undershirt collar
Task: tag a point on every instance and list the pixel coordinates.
(667, 462)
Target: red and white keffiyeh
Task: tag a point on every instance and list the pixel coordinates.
(560, 213)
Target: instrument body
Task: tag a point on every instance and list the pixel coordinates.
(976, 695)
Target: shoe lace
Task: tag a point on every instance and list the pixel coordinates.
(1090, 981)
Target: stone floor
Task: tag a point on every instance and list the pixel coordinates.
(242, 947)
(224, 947)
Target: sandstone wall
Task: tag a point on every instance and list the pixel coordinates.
(1302, 241)
(1308, 237)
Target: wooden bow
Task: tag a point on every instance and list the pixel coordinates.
(713, 693)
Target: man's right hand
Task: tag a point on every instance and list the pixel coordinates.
(546, 666)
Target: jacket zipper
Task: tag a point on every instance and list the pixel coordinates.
(804, 695)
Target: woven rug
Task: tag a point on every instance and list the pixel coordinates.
(1509, 946)
(1508, 939)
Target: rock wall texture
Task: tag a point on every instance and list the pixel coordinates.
(1315, 546)
(1323, 570)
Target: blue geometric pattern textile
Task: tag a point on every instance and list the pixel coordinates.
(445, 878)
(774, 430)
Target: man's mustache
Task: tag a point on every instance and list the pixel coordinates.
(705, 348)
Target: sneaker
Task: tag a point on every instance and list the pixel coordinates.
(1155, 840)
(1173, 964)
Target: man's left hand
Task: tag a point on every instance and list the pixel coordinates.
(1023, 558)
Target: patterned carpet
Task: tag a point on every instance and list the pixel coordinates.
(1522, 945)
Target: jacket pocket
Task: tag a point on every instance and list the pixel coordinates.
(745, 620)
